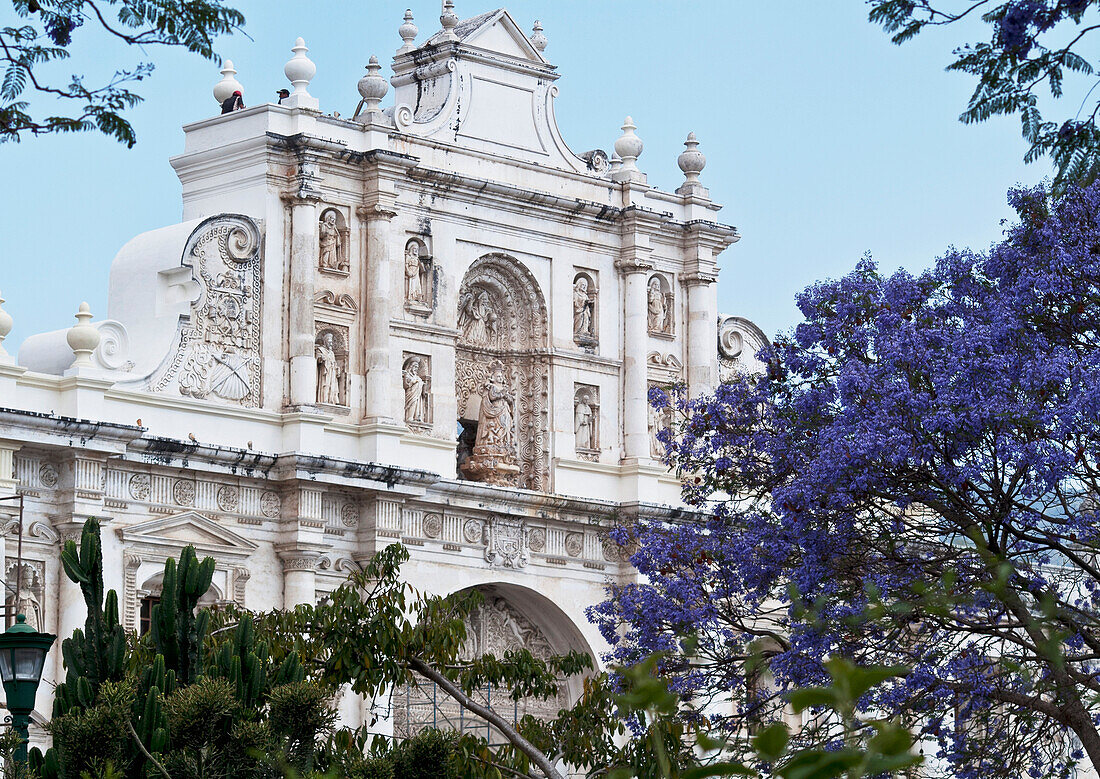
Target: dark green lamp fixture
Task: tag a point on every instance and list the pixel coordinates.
(22, 655)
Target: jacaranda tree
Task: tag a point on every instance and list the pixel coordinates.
(914, 481)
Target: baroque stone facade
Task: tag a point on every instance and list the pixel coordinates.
(431, 324)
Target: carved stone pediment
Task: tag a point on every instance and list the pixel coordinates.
(170, 534)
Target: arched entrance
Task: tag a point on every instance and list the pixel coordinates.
(501, 368)
(509, 617)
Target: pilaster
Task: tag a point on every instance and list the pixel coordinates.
(300, 289)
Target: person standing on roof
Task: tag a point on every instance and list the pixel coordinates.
(233, 103)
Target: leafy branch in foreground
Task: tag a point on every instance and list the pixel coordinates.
(46, 34)
(1033, 46)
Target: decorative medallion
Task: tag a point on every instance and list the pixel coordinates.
(47, 474)
(270, 504)
(140, 484)
(349, 514)
(433, 525)
(228, 497)
(183, 492)
(471, 531)
(536, 539)
(574, 544)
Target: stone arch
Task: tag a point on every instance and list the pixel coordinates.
(510, 617)
(503, 326)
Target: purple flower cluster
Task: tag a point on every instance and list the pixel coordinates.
(915, 480)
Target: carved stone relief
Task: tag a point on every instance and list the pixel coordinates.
(493, 627)
(349, 514)
(331, 351)
(507, 543)
(183, 492)
(433, 525)
(416, 379)
(47, 475)
(32, 592)
(332, 242)
(536, 539)
(739, 341)
(472, 531)
(586, 422)
(218, 352)
(574, 544)
(585, 329)
(502, 364)
(659, 307)
(339, 302)
(270, 504)
(419, 277)
(659, 419)
(139, 486)
(228, 497)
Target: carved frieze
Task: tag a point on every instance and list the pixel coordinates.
(218, 349)
(139, 486)
(472, 531)
(574, 544)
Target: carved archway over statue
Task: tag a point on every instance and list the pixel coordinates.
(508, 618)
(501, 367)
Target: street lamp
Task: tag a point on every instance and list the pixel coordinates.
(22, 655)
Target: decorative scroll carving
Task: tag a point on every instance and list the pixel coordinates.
(664, 368)
(332, 242)
(659, 305)
(586, 421)
(418, 277)
(739, 340)
(585, 330)
(502, 352)
(507, 545)
(331, 351)
(341, 302)
(218, 351)
(416, 379)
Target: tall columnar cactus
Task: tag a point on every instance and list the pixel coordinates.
(96, 654)
(247, 665)
(176, 630)
(150, 718)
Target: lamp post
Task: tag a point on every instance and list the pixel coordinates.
(22, 654)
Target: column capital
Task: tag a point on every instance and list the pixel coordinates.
(302, 196)
(627, 266)
(375, 212)
(296, 558)
(699, 277)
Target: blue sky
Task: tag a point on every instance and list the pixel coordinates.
(823, 140)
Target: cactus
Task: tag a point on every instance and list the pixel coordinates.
(177, 631)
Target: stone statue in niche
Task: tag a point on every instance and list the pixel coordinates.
(418, 276)
(659, 419)
(416, 380)
(330, 242)
(584, 423)
(582, 308)
(493, 458)
(659, 308)
(31, 592)
(330, 370)
(476, 317)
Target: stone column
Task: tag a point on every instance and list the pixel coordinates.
(300, 292)
(702, 343)
(299, 577)
(380, 290)
(635, 380)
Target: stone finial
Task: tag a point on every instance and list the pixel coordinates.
(373, 88)
(538, 40)
(449, 20)
(6, 325)
(82, 337)
(629, 147)
(691, 162)
(300, 70)
(616, 164)
(408, 32)
(225, 88)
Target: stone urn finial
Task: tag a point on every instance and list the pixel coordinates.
(83, 337)
(629, 147)
(300, 70)
(691, 162)
(538, 39)
(372, 87)
(449, 20)
(225, 88)
(408, 32)
(6, 324)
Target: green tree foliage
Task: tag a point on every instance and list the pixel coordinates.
(1033, 46)
(44, 35)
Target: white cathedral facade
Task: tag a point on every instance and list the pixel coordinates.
(430, 323)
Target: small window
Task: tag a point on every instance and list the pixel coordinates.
(145, 618)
